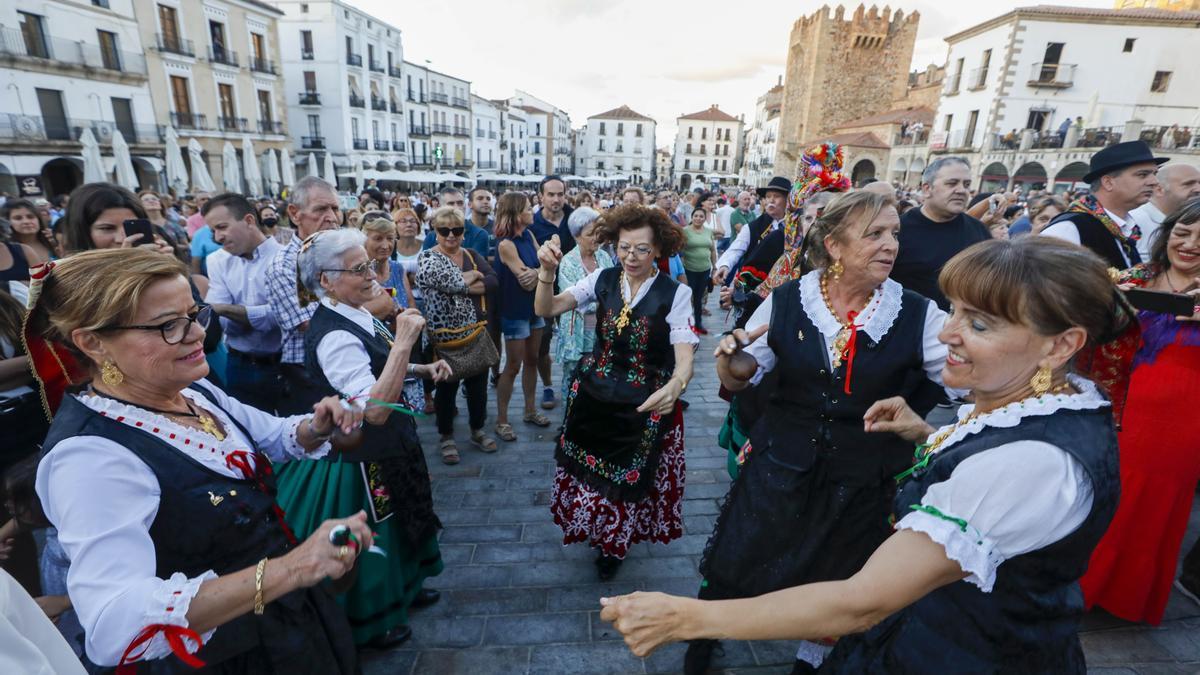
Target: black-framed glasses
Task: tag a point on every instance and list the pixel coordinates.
(361, 269)
(175, 331)
(451, 231)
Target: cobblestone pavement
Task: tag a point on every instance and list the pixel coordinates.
(515, 600)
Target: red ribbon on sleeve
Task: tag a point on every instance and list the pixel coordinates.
(175, 636)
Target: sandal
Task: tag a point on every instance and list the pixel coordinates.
(537, 418)
(482, 441)
(449, 451)
(505, 431)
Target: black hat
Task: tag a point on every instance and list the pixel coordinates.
(778, 184)
(1119, 156)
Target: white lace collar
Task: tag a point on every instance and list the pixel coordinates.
(201, 446)
(1088, 398)
(876, 324)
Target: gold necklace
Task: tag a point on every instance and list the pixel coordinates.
(627, 309)
(848, 328)
(937, 441)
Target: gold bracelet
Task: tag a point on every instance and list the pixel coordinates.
(258, 581)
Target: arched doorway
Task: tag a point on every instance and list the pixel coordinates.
(685, 182)
(8, 182)
(900, 170)
(994, 178)
(61, 175)
(916, 170)
(863, 170)
(147, 175)
(1069, 175)
(1030, 176)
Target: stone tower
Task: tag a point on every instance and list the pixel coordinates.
(841, 69)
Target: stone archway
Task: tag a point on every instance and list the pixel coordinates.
(994, 177)
(862, 170)
(685, 182)
(61, 175)
(147, 175)
(1069, 175)
(900, 170)
(8, 182)
(1030, 176)
(916, 170)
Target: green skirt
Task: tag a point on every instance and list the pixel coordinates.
(311, 492)
(733, 438)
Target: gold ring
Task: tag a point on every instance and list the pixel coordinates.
(343, 552)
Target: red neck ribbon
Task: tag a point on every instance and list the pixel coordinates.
(175, 636)
(850, 349)
(240, 460)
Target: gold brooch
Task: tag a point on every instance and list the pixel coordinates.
(215, 499)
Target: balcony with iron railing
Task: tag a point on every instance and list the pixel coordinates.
(478, 133)
(36, 129)
(357, 101)
(912, 137)
(411, 95)
(261, 65)
(375, 66)
(1052, 75)
(418, 130)
(222, 56)
(184, 120)
(173, 44)
(950, 88)
(977, 79)
(271, 127)
(306, 54)
(231, 123)
(485, 166)
(492, 135)
(398, 146)
(439, 98)
(442, 129)
(463, 163)
(459, 102)
(312, 142)
(422, 165)
(381, 145)
(461, 131)
(310, 98)
(378, 103)
(359, 143)
(63, 52)
(394, 71)
(353, 59)
(395, 108)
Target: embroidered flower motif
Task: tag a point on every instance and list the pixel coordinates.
(591, 461)
(632, 476)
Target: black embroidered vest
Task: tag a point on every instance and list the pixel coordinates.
(194, 531)
(1094, 236)
(1029, 622)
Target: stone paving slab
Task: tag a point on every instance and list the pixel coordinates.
(515, 600)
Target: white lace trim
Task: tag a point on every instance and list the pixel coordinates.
(882, 315)
(169, 605)
(1088, 398)
(974, 553)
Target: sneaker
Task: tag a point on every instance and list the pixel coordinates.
(548, 400)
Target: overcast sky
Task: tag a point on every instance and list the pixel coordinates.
(663, 59)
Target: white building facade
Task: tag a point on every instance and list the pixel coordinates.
(486, 136)
(548, 129)
(450, 127)
(343, 72)
(662, 166)
(514, 131)
(706, 149)
(67, 67)
(619, 142)
(1030, 95)
(758, 165)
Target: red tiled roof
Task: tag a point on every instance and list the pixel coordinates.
(920, 114)
(713, 114)
(623, 113)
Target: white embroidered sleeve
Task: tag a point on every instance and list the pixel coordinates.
(759, 349)
(584, 290)
(679, 318)
(1001, 503)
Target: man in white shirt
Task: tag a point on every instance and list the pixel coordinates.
(1122, 178)
(774, 202)
(237, 292)
(1177, 184)
(723, 214)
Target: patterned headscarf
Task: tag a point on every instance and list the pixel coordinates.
(820, 171)
(54, 368)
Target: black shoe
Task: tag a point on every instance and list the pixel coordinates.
(698, 657)
(607, 566)
(394, 637)
(425, 597)
(802, 667)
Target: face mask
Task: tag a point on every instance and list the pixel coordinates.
(269, 222)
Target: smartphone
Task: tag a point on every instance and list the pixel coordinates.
(1175, 304)
(140, 226)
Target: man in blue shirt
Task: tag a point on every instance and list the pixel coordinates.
(552, 218)
(475, 238)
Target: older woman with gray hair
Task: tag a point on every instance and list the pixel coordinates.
(577, 328)
(350, 354)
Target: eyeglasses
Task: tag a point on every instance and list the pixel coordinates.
(451, 231)
(641, 250)
(361, 269)
(174, 331)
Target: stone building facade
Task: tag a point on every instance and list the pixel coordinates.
(839, 69)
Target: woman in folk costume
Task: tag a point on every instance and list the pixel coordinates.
(350, 354)
(620, 457)
(765, 268)
(814, 496)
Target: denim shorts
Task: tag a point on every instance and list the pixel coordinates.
(519, 329)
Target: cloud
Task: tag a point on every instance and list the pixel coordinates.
(729, 70)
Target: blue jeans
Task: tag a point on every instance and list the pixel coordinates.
(519, 329)
(253, 381)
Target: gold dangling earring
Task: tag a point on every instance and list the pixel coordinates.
(1041, 380)
(111, 375)
(836, 269)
